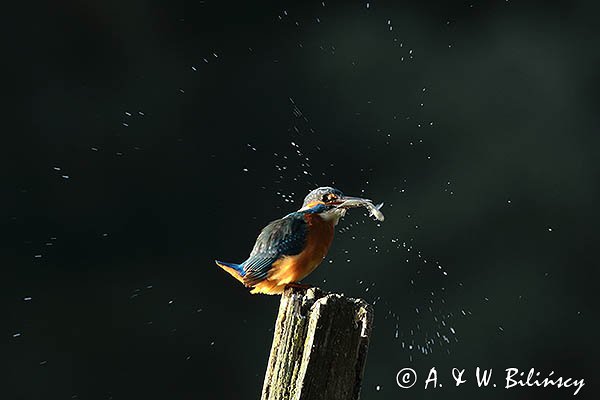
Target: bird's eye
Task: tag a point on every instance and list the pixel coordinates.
(329, 197)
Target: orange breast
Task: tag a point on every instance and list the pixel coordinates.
(291, 269)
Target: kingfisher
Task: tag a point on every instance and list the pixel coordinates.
(290, 248)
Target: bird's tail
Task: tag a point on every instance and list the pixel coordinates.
(236, 270)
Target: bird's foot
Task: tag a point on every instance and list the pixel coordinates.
(298, 285)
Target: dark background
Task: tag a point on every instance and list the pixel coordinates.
(150, 138)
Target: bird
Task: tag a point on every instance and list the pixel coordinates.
(290, 248)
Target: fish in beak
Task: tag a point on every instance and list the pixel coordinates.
(347, 202)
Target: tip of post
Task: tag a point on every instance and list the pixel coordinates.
(303, 290)
(309, 295)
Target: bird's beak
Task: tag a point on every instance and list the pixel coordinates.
(346, 202)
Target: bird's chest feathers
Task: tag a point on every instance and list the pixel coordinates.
(296, 267)
(318, 238)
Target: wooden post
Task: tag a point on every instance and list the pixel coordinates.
(319, 347)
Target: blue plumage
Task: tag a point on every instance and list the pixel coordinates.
(237, 267)
(282, 237)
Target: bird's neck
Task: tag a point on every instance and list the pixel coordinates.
(321, 230)
(332, 217)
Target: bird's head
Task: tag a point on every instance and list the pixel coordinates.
(328, 202)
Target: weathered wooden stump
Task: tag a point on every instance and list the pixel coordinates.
(319, 347)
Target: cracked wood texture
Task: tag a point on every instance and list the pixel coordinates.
(319, 347)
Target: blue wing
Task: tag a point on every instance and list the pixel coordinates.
(282, 237)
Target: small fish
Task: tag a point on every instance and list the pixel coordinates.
(374, 210)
